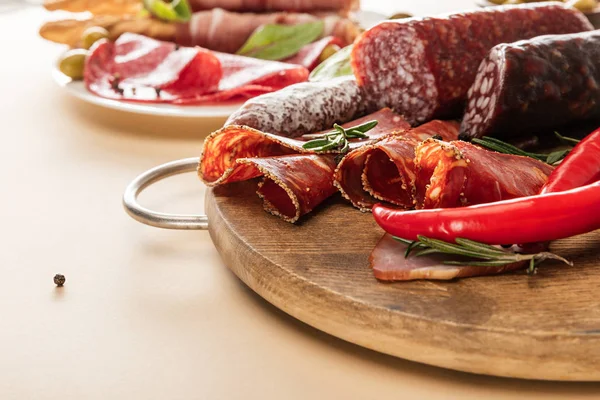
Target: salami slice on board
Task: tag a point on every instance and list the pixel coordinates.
(532, 85)
(222, 149)
(423, 67)
(385, 170)
(389, 264)
(137, 68)
(457, 174)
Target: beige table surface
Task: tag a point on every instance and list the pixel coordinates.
(148, 313)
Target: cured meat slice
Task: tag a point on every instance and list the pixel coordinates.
(223, 148)
(385, 170)
(138, 68)
(294, 185)
(389, 264)
(457, 174)
(226, 31)
(303, 108)
(276, 5)
(309, 55)
(535, 84)
(423, 67)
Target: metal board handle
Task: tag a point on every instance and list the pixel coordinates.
(158, 219)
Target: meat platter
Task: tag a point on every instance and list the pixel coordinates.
(434, 193)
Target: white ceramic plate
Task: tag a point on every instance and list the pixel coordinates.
(78, 90)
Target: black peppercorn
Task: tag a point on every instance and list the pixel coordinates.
(59, 280)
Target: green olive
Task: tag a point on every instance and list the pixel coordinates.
(328, 51)
(400, 16)
(92, 35)
(71, 64)
(583, 5)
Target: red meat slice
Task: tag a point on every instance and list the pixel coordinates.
(309, 55)
(138, 68)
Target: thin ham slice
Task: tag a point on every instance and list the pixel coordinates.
(226, 31)
(385, 170)
(309, 55)
(389, 264)
(137, 68)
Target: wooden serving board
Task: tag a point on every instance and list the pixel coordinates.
(545, 326)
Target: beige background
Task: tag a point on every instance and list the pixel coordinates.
(147, 313)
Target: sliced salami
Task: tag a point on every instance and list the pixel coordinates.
(303, 108)
(223, 148)
(423, 67)
(389, 264)
(532, 85)
(137, 68)
(457, 174)
(385, 170)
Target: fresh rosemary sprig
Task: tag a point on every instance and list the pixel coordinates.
(337, 139)
(479, 254)
(507, 148)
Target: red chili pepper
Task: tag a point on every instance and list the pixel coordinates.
(537, 218)
(580, 167)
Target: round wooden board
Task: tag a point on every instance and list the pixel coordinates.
(545, 326)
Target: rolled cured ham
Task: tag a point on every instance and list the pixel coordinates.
(423, 67)
(385, 170)
(295, 181)
(276, 5)
(227, 31)
(457, 174)
(536, 84)
(137, 68)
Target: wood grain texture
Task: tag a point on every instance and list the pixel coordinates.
(545, 326)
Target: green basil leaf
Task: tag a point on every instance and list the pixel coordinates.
(176, 11)
(277, 42)
(336, 65)
(556, 156)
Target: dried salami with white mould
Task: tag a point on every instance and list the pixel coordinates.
(423, 67)
(303, 108)
(534, 85)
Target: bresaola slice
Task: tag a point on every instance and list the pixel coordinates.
(385, 169)
(223, 148)
(389, 264)
(137, 68)
(457, 174)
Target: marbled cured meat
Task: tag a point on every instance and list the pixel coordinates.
(295, 181)
(137, 68)
(389, 264)
(385, 170)
(532, 85)
(276, 5)
(226, 31)
(222, 150)
(457, 174)
(303, 108)
(423, 67)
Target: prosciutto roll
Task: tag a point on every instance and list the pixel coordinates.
(276, 5)
(423, 67)
(227, 31)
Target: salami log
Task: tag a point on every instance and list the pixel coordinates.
(535, 84)
(457, 174)
(303, 108)
(385, 170)
(137, 68)
(423, 67)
